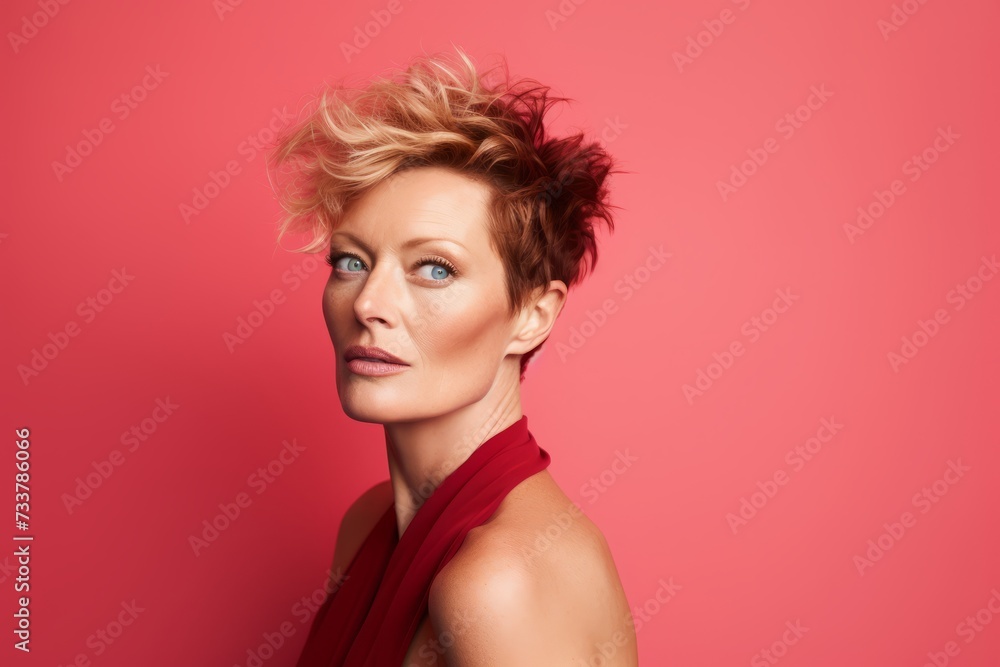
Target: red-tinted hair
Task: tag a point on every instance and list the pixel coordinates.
(549, 194)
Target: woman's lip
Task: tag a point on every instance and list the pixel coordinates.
(371, 353)
(374, 368)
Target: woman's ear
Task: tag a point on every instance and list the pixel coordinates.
(536, 319)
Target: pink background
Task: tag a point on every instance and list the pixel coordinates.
(681, 127)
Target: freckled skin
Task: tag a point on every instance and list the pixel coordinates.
(453, 331)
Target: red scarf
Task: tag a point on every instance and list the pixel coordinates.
(370, 620)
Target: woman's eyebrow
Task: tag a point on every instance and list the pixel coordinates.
(430, 239)
(420, 240)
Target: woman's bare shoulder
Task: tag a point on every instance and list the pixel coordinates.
(542, 560)
(358, 521)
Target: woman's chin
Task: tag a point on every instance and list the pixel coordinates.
(371, 409)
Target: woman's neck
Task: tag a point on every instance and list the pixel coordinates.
(423, 453)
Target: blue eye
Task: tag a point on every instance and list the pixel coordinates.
(441, 269)
(353, 261)
(438, 272)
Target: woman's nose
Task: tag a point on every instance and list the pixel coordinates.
(379, 297)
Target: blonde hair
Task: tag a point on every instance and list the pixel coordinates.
(548, 193)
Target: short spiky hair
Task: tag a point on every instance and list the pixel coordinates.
(548, 193)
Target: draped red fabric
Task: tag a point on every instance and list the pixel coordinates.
(370, 619)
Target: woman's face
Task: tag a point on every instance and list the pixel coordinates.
(414, 274)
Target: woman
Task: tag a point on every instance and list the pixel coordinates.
(454, 227)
